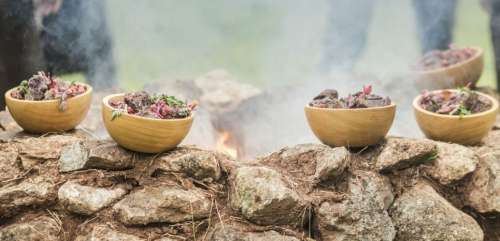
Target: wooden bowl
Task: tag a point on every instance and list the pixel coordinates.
(350, 127)
(44, 116)
(143, 134)
(465, 130)
(457, 75)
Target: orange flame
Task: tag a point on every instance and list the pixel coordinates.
(223, 145)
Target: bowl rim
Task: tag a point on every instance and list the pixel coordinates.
(8, 96)
(390, 106)
(479, 54)
(105, 102)
(494, 107)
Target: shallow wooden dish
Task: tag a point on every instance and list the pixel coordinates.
(143, 134)
(350, 127)
(465, 130)
(453, 76)
(44, 116)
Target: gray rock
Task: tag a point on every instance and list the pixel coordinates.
(162, 204)
(421, 214)
(229, 233)
(400, 153)
(483, 191)
(263, 196)
(363, 215)
(199, 164)
(331, 163)
(39, 229)
(105, 233)
(87, 200)
(95, 154)
(30, 192)
(453, 163)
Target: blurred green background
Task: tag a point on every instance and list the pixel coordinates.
(265, 42)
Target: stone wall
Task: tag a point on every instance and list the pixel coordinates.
(73, 187)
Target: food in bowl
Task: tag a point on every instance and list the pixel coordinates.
(437, 59)
(152, 106)
(358, 120)
(461, 102)
(459, 116)
(43, 86)
(362, 99)
(147, 123)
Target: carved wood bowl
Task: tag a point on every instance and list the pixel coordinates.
(144, 134)
(457, 75)
(351, 127)
(465, 130)
(44, 116)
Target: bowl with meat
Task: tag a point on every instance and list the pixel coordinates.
(357, 120)
(147, 123)
(460, 116)
(449, 69)
(44, 104)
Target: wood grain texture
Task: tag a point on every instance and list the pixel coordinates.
(45, 116)
(465, 130)
(144, 134)
(350, 127)
(454, 76)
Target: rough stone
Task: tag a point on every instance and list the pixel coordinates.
(363, 215)
(87, 200)
(95, 154)
(166, 239)
(201, 165)
(422, 214)
(33, 151)
(453, 163)
(9, 163)
(400, 153)
(263, 196)
(162, 204)
(483, 191)
(105, 233)
(315, 161)
(30, 192)
(330, 164)
(229, 233)
(39, 229)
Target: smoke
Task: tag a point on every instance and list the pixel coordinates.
(278, 46)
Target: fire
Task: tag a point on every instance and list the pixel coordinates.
(223, 144)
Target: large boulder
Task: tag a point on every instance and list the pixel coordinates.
(483, 191)
(95, 154)
(230, 233)
(162, 204)
(399, 153)
(363, 215)
(421, 214)
(199, 164)
(105, 233)
(453, 163)
(40, 229)
(30, 192)
(87, 200)
(265, 197)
